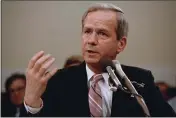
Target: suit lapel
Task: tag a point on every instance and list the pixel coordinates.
(123, 104)
(82, 93)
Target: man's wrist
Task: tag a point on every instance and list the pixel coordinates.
(33, 110)
(34, 103)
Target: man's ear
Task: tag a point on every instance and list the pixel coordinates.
(121, 44)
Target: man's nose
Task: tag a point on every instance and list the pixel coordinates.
(93, 40)
(16, 92)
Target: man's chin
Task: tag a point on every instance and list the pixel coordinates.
(91, 61)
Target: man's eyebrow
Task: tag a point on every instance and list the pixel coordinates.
(97, 29)
(102, 29)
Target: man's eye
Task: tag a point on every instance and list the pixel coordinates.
(102, 34)
(87, 31)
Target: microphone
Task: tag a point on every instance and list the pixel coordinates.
(130, 86)
(108, 66)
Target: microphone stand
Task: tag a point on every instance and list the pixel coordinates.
(108, 64)
(133, 91)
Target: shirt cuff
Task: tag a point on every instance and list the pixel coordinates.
(31, 109)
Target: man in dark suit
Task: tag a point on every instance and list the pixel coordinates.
(84, 90)
(12, 98)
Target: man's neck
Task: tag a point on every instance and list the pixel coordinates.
(96, 68)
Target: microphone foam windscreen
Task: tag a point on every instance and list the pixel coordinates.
(104, 62)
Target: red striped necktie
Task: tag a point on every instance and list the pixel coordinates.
(95, 97)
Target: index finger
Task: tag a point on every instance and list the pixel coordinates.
(34, 59)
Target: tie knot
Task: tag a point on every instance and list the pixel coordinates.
(96, 78)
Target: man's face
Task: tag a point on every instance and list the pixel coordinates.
(17, 90)
(99, 37)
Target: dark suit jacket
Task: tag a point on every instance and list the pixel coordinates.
(8, 109)
(67, 95)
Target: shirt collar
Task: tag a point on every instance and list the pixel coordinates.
(90, 73)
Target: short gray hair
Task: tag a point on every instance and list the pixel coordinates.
(122, 24)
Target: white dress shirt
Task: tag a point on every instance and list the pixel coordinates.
(106, 95)
(17, 114)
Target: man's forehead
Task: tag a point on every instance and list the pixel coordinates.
(102, 28)
(18, 81)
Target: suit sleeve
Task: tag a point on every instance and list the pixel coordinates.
(49, 98)
(157, 106)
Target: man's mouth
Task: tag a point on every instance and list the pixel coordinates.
(90, 51)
